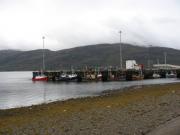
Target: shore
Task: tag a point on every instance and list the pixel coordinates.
(136, 111)
(170, 128)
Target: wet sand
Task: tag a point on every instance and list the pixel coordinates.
(136, 111)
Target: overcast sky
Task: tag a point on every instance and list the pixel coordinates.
(70, 23)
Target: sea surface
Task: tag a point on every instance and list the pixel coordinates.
(17, 89)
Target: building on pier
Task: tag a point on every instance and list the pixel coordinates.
(166, 67)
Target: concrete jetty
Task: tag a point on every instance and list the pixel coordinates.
(108, 75)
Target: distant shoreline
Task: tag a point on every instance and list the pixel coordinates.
(79, 57)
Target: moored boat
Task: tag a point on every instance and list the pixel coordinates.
(156, 75)
(40, 78)
(137, 77)
(67, 77)
(171, 75)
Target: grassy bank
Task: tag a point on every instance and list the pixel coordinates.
(148, 106)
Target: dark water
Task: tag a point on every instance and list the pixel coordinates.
(17, 89)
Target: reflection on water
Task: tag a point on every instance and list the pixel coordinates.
(17, 89)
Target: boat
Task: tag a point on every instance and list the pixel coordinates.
(156, 75)
(72, 76)
(67, 77)
(171, 75)
(41, 76)
(137, 77)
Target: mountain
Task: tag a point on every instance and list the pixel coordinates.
(79, 57)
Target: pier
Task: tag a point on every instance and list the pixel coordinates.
(107, 75)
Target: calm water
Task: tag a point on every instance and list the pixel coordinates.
(17, 89)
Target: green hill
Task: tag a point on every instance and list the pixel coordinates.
(79, 57)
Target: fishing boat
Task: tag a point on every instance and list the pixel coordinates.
(72, 76)
(137, 77)
(156, 75)
(99, 77)
(67, 77)
(171, 75)
(41, 76)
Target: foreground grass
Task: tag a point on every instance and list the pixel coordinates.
(63, 110)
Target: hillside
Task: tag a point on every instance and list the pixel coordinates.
(92, 55)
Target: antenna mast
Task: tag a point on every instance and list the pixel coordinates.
(165, 59)
(120, 51)
(43, 38)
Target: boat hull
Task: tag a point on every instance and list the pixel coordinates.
(40, 79)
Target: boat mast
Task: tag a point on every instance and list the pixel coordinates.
(120, 51)
(43, 54)
(165, 60)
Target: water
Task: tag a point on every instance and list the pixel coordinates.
(17, 89)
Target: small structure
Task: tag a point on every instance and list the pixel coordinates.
(132, 65)
(134, 70)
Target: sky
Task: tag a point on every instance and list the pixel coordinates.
(71, 23)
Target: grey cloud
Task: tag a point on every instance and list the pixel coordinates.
(69, 23)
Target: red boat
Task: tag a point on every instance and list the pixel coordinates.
(40, 78)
